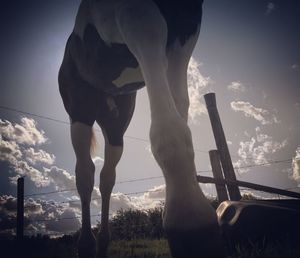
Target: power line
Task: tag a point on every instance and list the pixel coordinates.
(99, 198)
(65, 218)
(35, 115)
(265, 164)
(130, 137)
(52, 192)
(68, 123)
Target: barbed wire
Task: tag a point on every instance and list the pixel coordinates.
(68, 123)
(161, 177)
(111, 214)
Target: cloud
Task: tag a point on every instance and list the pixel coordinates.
(296, 166)
(196, 85)
(8, 207)
(24, 133)
(39, 156)
(236, 87)
(36, 176)
(150, 199)
(60, 178)
(261, 115)
(40, 216)
(19, 148)
(16, 148)
(256, 150)
(10, 151)
(270, 8)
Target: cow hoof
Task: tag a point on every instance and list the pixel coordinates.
(87, 246)
(102, 244)
(194, 244)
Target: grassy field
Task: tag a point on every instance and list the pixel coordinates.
(140, 248)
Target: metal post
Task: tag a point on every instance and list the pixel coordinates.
(20, 209)
(221, 143)
(217, 173)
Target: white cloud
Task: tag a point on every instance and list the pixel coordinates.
(24, 169)
(270, 8)
(296, 166)
(67, 221)
(121, 201)
(61, 178)
(24, 133)
(50, 216)
(236, 86)
(39, 156)
(261, 115)
(196, 85)
(18, 148)
(8, 207)
(257, 149)
(297, 106)
(10, 151)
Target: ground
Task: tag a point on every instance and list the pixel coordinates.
(65, 247)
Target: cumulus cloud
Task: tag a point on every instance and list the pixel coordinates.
(49, 216)
(8, 207)
(36, 176)
(261, 115)
(257, 149)
(196, 85)
(60, 178)
(270, 8)
(236, 86)
(40, 216)
(39, 156)
(24, 133)
(19, 148)
(296, 166)
(150, 199)
(10, 151)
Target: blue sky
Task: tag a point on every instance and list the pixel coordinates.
(247, 53)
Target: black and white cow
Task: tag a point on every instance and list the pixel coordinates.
(117, 47)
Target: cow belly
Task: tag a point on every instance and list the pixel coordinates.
(111, 68)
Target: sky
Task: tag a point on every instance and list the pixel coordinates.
(247, 53)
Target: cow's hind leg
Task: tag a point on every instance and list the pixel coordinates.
(113, 120)
(107, 181)
(81, 139)
(189, 221)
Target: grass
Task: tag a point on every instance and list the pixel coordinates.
(267, 249)
(139, 248)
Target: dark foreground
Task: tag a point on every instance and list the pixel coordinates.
(65, 247)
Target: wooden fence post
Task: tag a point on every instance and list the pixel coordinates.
(221, 143)
(217, 173)
(20, 208)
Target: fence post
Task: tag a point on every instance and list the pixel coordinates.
(221, 143)
(217, 173)
(20, 208)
